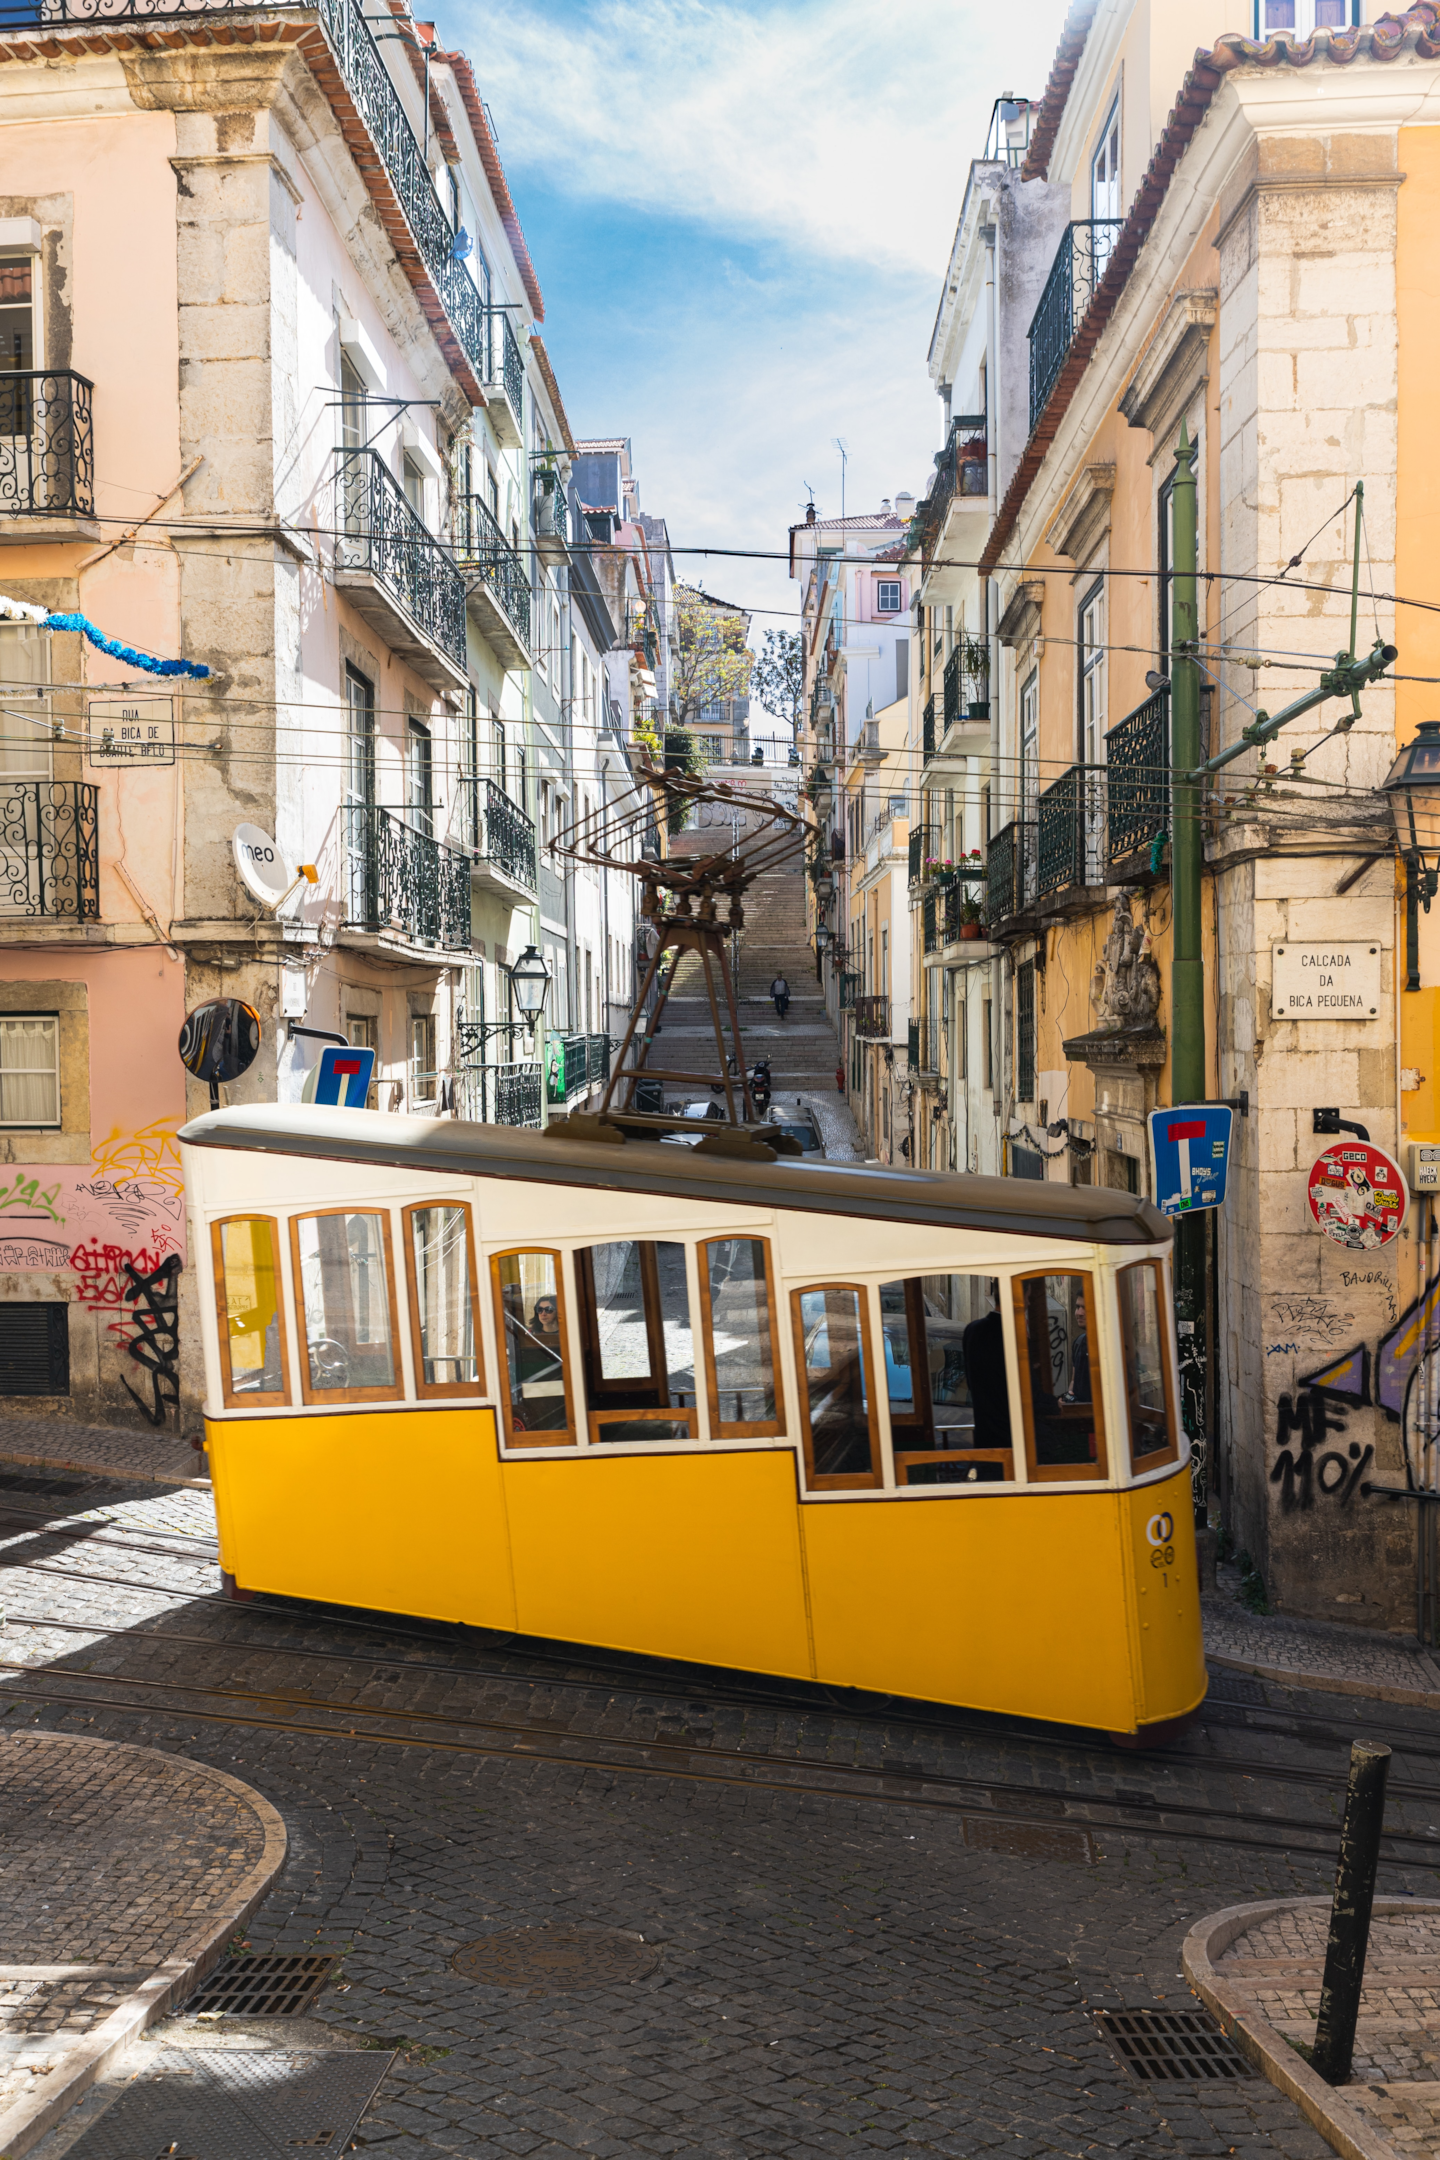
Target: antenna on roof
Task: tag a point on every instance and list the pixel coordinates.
(844, 449)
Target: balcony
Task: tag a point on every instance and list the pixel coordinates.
(506, 1094)
(503, 838)
(1085, 249)
(49, 850)
(870, 749)
(847, 986)
(396, 573)
(47, 456)
(577, 1062)
(497, 585)
(504, 379)
(923, 1049)
(872, 1017)
(1137, 754)
(1071, 832)
(551, 515)
(1009, 872)
(403, 884)
(961, 468)
(923, 840)
(927, 731)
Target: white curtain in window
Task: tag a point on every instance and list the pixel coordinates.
(29, 1080)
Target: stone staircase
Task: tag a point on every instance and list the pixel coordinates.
(802, 1049)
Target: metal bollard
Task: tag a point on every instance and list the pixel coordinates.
(1350, 1913)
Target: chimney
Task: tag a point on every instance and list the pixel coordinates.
(905, 507)
(810, 513)
(885, 510)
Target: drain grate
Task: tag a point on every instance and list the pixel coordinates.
(262, 1986)
(1030, 1841)
(1229, 1688)
(237, 2106)
(1171, 2047)
(556, 1959)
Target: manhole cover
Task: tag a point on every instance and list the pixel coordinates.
(556, 1958)
(1030, 1841)
(264, 1985)
(1229, 1688)
(1168, 2047)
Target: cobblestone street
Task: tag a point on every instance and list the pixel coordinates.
(835, 1971)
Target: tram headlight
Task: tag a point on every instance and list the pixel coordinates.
(529, 980)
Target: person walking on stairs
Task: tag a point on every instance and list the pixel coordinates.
(780, 991)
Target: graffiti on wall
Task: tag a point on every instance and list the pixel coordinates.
(1317, 1459)
(155, 1295)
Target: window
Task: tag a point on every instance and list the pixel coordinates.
(347, 1298)
(360, 744)
(444, 1320)
(362, 1031)
(254, 1363)
(30, 1069)
(737, 1312)
(352, 404)
(530, 1322)
(420, 777)
(639, 1346)
(26, 741)
(1025, 1032)
(413, 482)
(1303, 16)
(17, 317)
(946, 1379)
(422, 1057)
(1105, 178)
(1059, 1383)
(1029, 811)
(887, 596)
(1149, 1382)
(1092, 674)
(987, 1045)
(497, 751)
(836, 1395)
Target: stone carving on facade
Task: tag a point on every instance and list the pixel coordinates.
(1127, 980)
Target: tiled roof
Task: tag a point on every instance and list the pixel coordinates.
(552, 389)
(1074, 31)
(1387, 39)
(495, 173)
(611, 445)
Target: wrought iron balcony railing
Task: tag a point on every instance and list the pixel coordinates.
(577, 1062)
(962, 467)
(379, 532)
(504, 364)
(932, 914)
(1137, 754)
(49, 849)
(849, 984)
(1072, 838)
(552, 511)
(952, 688)
(1009, 871)
(502, 833)
(506, 1094)
(47, 448)
(402, 881)
(922, 844)
(1085, 249)
(928, 732)
(481, 542)
(872, 1016)
(923, 1047)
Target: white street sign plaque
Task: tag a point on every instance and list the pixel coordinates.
(1325, 982)
(132, 731)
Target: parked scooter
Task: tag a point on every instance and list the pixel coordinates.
(760, 1086)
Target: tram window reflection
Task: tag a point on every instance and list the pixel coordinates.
(531, 1326)
(638, 1341)
(252, 1328)
(1059, 1376)
(946, 1379)
(738, 1314)
(841, 1444)
(1149, 1386)
(440, 1259)
(342, 1265)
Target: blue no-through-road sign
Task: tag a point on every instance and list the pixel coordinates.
(342, 1078)
(1190, 1148)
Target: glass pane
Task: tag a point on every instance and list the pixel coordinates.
(442, 1289)
(346, 1296)
(739, 1312)
(251, 1291)
(534, 1348)
(29, 1085)
(1144, 1345)
(1331, 14)
(1279, 14)
(944, 1309)
(835, 1379)
(1057, 1349)
(675, 1325)
(621, 1337)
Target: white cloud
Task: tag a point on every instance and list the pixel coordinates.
(842, 129)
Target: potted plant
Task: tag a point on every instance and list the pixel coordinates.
(975, 666)
(940, 870)
(970, 924)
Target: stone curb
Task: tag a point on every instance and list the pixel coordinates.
(121, 1473)
(23, 2125)
(1327, 1683)
(1341, 2125)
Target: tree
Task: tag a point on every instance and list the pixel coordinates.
(712, 660)
(778, 676)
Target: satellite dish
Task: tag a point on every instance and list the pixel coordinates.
(220, 1041)
(257, 860)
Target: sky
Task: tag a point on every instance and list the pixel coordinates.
(740, 216)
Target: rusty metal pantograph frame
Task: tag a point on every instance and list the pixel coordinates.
(689, 904)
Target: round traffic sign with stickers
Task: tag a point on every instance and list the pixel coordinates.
(1358, 1195)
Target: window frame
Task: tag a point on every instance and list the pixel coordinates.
(895, 607)
(735, 1428)
(1306, 7)
(555, 1436)
(846, 1480)
(321, 1396)
(924, 1421)
(600, 1409)
(441, 1390)
(251, 1398)
(1037, 1473)
(48, 1125)
(1164, 1306)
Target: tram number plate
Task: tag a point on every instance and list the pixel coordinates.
(1160, 1537)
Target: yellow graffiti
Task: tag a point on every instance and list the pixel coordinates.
(151, 1154)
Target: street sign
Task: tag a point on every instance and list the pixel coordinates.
(1358, 1195)
(341, 1079)
(1325, 982)
(1190, 1148)
(131, 731)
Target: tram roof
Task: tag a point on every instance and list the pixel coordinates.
(1008, 1206)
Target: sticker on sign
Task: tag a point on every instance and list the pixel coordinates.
(1190, 1150)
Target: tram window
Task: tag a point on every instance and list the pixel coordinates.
(639, 1344)
(1149, 1384)
(444, 1325)
(347, 1296)
(831, 1346)
(946, 1379)
(530, 1321)
(737, 1311)
(1059, 1376)
(252, 1321)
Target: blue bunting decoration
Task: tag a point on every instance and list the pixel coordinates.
(127, 653)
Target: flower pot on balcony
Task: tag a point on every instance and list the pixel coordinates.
(970, 930)
(978, 709)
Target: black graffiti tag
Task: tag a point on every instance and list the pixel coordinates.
(156, 1344)
(1297, 1472)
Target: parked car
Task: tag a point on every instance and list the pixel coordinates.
(801, 1125)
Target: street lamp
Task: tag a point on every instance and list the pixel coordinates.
(529, 982)
(1412, 788)
(822, 937)
(824, 888)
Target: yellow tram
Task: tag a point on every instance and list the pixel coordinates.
(883, 1428)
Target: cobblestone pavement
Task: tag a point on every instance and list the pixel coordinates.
(1352, 1659)
(838, 1136)
(123, 1450)
(835, 1974)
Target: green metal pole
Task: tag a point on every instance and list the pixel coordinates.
(1187, 968)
